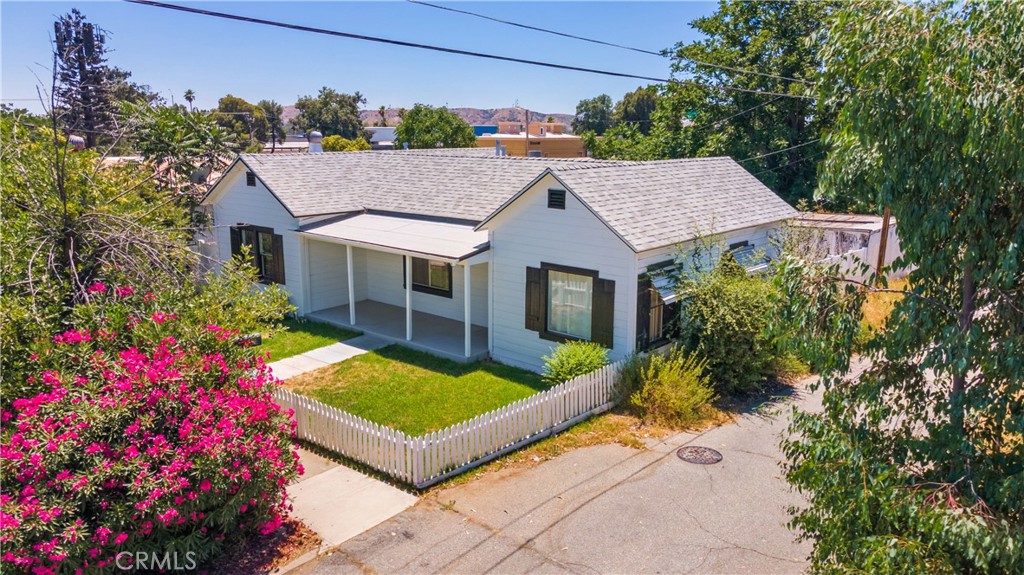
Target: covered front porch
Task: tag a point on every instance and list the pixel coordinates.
(431, 333)
(421, 283)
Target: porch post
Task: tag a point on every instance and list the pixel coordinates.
(467, 287)
(408, 298)
(351, 286)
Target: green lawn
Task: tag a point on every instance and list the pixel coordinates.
(301, 336)
(413, 391)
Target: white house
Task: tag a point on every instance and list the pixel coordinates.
(467, 254)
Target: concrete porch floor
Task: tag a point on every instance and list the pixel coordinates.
(430, 333)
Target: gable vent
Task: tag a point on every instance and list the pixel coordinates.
(556, 199)
(250, 179)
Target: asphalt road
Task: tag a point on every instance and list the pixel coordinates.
(606, 509)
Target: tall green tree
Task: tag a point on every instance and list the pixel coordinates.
(778, 41)
(332, 113)
(636, 107)
(593, 115)
(123, 89)
(273, 111)
(248, 122)
(429, 127)
(82, 90)
(917, 464)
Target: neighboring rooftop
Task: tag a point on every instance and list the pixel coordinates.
(649, 204)
(864, 223)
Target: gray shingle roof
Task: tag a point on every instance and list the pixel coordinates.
(649, 204)
(654, 204)
(461, 184)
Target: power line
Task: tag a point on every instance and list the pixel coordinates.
(782, 150)
(310, 29)
(748, 111)
(535, 28)
(777, 168)
(601, 42)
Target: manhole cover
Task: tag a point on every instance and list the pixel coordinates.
(697, 454)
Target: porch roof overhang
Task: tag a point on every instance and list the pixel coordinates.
(431, 239)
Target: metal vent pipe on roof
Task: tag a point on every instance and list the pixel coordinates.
(315, 139)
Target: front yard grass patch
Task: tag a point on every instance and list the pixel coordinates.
(302, 335)
(413, 391)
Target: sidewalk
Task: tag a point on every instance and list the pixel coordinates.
(324, 356)
(339, 503)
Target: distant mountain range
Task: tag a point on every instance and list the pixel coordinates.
(476, 116)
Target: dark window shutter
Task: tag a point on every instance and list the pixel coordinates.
(236, 241)
(643, 312)
(535, 304)
(602, 328)
(278, 249)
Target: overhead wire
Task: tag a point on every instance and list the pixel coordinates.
(807, 143)
(794, 162)
(310, 29)
(602, 42)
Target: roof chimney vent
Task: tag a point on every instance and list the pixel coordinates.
(314, 142)
(497, 147)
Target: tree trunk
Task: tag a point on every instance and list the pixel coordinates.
(967, 307)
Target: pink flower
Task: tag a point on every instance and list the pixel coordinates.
(97, 288)
(205, 485)
(124, 291)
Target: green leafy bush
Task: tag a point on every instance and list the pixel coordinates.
(672, 389)
(573, 359)
(724, 320)
(339, 144)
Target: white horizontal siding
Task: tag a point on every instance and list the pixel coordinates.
(238, 203)
(527, 233)
(379, 277)
(758, 236)
(328, 277)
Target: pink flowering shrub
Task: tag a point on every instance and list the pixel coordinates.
(143, 428)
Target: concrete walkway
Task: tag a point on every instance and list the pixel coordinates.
(324, 356)
(335, 501)
(339, 503)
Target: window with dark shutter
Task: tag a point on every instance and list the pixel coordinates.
(250, 179)
(556, 199)
(263, 249)
(565, 303)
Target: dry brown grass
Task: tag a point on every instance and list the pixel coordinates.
(618, 426)
(877, 306)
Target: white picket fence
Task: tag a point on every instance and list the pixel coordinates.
(430, 458)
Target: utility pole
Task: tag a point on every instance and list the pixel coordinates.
(882, 247)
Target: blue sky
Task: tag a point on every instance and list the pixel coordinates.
(174, 51)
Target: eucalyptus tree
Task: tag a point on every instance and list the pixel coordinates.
(917, 464)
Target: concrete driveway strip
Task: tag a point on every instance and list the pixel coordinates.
(607, 509)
